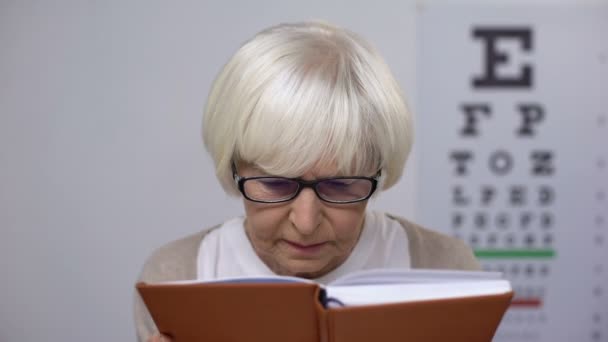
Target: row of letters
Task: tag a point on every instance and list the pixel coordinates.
(514, 195)
(502, 162)
(503, 220)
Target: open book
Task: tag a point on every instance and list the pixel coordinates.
(384, 305)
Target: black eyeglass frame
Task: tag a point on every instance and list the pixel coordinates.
(302, 184)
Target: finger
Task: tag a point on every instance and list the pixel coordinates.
(164, 338)
(157, 338)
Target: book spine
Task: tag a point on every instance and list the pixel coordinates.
(320, 307)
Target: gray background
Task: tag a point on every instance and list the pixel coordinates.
(101, 159)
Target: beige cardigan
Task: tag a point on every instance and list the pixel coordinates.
(177, 261)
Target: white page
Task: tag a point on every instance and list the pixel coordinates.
(396, 293)
(245, 279)
(403, 276)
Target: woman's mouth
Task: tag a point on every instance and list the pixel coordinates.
(309, 248)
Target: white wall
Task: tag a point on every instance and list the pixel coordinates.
(100, 152)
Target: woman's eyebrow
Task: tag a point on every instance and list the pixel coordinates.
(260, 172)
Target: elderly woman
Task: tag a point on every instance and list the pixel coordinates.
(306, 123)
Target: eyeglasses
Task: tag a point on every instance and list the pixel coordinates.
(338, 190)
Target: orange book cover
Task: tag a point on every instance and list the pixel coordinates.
(298, 312)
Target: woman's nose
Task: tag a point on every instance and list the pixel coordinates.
(306, 212)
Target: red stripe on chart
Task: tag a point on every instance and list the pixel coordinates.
(526, 303)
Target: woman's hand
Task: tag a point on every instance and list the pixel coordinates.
(159, 338)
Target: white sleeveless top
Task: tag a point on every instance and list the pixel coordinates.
(226, 251)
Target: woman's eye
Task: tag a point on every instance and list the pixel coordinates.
(338, 183)
(276, 183)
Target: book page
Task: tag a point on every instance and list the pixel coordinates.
(398, 293)
(238, 280)
(402, 276)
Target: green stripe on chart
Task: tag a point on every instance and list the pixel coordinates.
(515, 253)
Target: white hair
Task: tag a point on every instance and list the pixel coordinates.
(301, 94)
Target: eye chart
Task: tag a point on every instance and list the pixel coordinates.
(512, 136)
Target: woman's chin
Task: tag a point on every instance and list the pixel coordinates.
(305, 269)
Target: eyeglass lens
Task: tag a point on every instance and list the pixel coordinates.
(277, 189)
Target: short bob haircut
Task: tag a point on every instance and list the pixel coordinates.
(301, 95)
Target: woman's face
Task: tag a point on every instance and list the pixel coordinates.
(305, 237)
